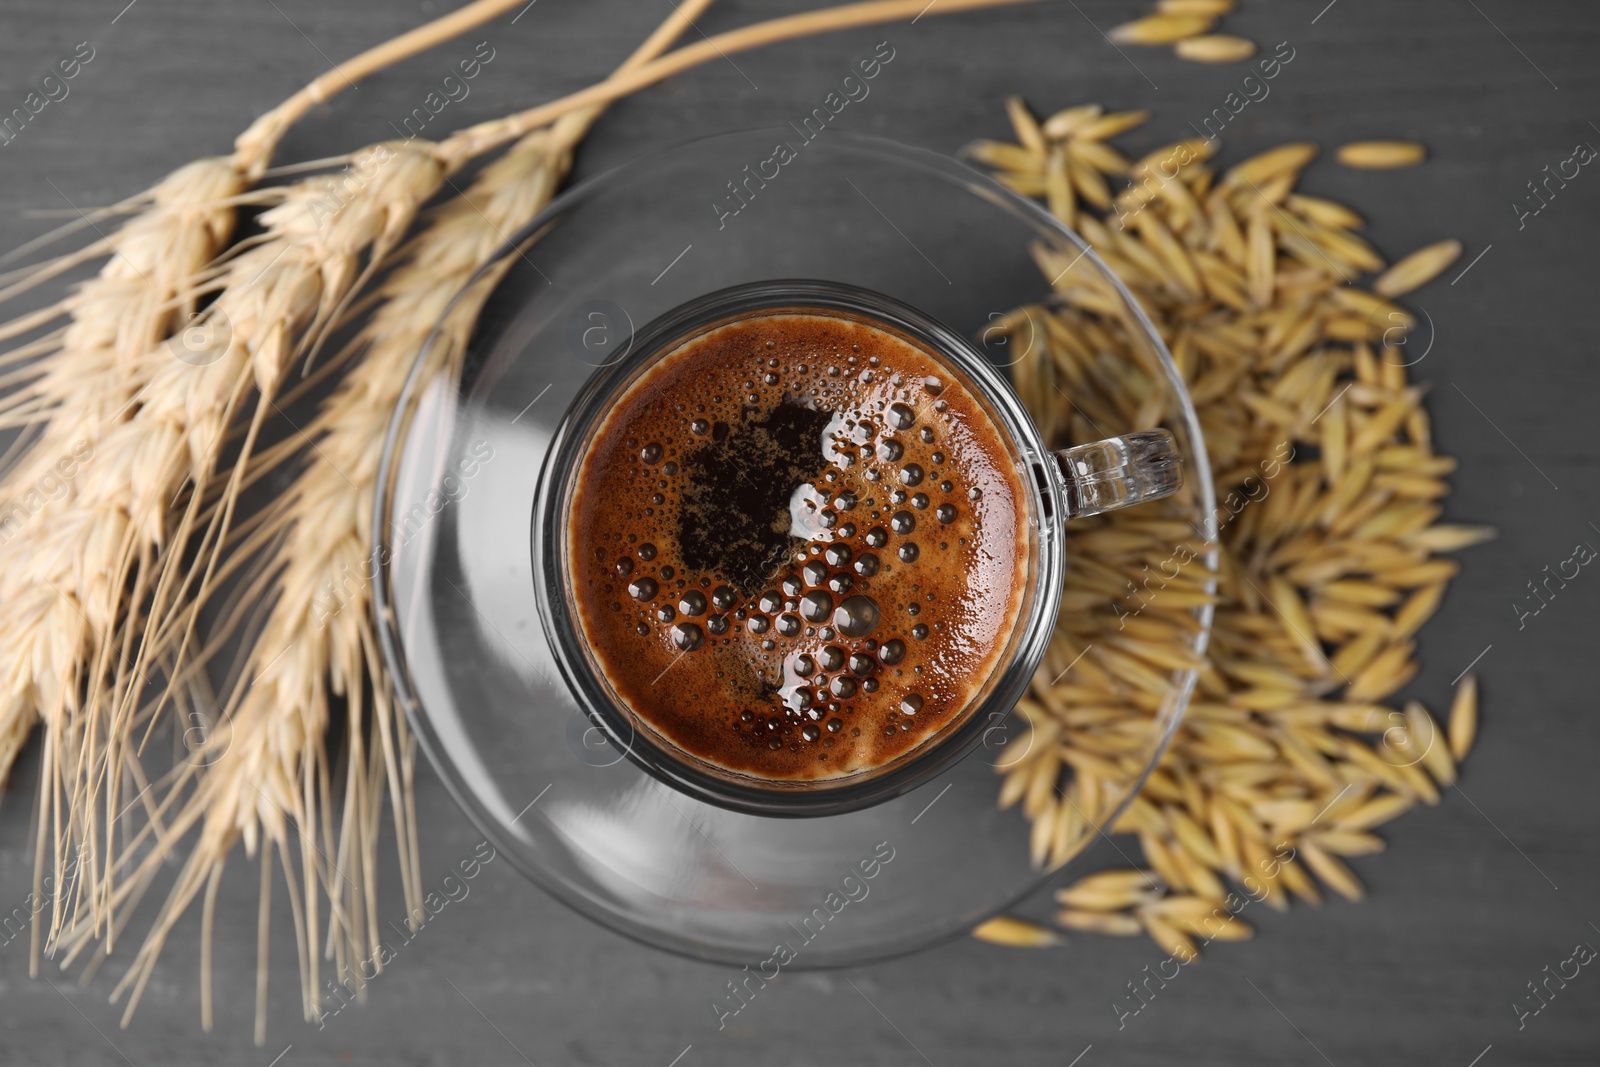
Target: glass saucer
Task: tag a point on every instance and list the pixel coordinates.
(457, 613)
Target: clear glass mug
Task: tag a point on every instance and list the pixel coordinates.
(1059, 485)
(456, 595)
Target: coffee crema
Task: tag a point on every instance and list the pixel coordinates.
(797, 546)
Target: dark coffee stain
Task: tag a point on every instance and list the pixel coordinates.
(734, 518)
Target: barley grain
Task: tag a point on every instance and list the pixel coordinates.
(1161, 29)
(1168, 937)
(1417, 269)
(1215, 8)
(1100, 922)
(1464, 717)
(1381, 155)
(1335, 874)
(1015, 933)
(1215, 48)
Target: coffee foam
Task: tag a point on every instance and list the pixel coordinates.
(797, 547)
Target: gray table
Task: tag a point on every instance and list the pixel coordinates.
(1474, 898)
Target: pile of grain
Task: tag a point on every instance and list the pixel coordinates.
(1328, 490)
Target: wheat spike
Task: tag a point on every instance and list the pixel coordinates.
(70, 653)
(308, 655)
(271, 773)
(112, 531)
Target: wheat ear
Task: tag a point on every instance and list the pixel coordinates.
(102, 564)
(272, 769)
(117, 422)
(79, 380)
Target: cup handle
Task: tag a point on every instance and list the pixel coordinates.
(1120, 472)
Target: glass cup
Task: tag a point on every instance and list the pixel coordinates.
(1059, 485)
(478, 670)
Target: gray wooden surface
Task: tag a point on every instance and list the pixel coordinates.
(1473, 899)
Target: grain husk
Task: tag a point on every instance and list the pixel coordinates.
(1215, 48)
(1381, 155)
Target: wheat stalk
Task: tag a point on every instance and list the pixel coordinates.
(475, 140)
(83, 380)
(111, 541)
(272, 772)
(80, 383)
